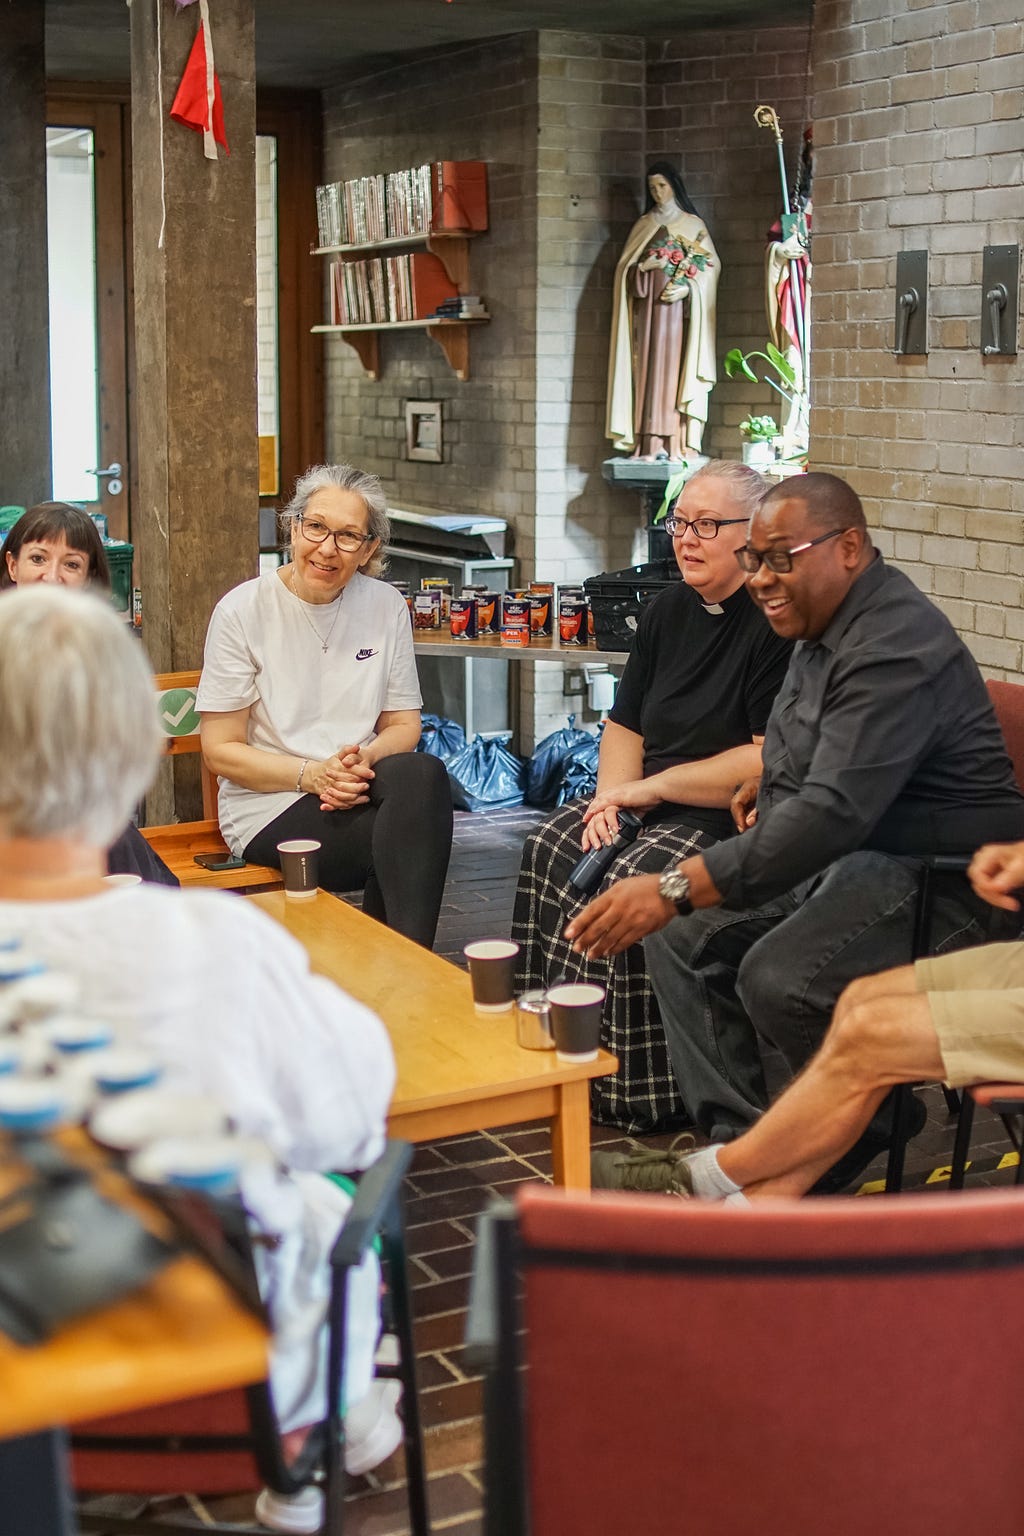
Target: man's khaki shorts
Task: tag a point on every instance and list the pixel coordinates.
(976, 998)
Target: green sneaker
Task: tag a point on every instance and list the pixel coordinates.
(652, 1172)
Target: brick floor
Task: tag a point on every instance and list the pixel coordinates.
(452, 1181)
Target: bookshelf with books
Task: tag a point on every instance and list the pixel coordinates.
(373, 228)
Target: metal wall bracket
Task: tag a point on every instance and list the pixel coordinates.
(911, 304)
(1000, 280)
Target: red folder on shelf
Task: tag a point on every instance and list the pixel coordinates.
(459, 196)
(430, 284)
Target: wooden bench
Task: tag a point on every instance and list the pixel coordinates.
(179, 842)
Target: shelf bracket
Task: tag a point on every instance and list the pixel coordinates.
(453, 254)
(454, 343)
(367, 344)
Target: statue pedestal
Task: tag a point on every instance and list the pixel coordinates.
(649, 477)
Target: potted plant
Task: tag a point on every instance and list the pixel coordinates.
(759, 434)
(738, 364)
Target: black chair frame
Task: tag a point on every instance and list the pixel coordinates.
(376, 1212)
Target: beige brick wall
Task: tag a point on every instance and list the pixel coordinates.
(478, 103)
(919, 136)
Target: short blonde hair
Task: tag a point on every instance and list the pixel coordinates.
(79, 736)
(747, 484)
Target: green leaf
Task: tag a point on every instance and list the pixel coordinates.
(672, 490)
(733, 362)
(782, 364)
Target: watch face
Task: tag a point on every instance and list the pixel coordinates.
(674, 886)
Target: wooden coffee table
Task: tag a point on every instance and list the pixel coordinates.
(458, 1070)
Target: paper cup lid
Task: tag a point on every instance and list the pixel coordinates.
(132, 1120)
(31, 1104)
(190, 1162)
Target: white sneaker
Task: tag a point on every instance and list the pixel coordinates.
(300, 1513)
(373, 1432)
(373, 1429)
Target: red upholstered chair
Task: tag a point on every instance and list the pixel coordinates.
(229, 1442)
(670, 1367)
(1008, 702)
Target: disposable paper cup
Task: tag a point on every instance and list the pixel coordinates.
(576, 1010)
(125, 879)
(299, 867)
(492, 972)
(209, 1163)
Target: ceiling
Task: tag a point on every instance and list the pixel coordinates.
(313, 43)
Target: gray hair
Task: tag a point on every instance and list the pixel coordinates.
(747, 485)
(78, 722)
(346, 478)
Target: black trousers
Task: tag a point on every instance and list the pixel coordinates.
(396, 847)
(132, 855)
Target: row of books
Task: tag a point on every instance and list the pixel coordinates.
(383, 289)
(446, 196)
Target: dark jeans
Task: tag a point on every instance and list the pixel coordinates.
(132, 855)
(724, 980)
(396, 848)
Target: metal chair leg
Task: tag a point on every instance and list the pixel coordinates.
(962, 1145)
(898, 1142)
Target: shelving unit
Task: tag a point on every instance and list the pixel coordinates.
(452, 336)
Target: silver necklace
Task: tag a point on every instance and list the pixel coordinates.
(324, 640)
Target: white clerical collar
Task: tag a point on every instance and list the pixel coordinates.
(712, 608)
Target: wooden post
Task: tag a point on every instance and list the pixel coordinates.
(196, 524)
(25, 476)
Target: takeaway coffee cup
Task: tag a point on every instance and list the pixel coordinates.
(298, 866)
(492, 972)
(576, 1009)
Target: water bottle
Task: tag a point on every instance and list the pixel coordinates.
(589, 872)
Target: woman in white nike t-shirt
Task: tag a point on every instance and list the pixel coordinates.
(310, 711)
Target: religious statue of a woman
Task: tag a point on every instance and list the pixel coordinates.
(661, 365)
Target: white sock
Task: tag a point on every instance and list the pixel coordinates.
(709, 1182)
(739, 1198)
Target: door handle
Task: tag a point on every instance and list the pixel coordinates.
(908, 303)
(996, 299)
(112, 472)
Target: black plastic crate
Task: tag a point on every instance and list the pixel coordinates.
(617, 599)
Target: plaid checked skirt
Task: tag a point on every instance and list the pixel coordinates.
(642, 1096)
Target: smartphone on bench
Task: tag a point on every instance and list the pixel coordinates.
(218, 861)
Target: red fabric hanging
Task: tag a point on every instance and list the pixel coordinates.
(189, 106)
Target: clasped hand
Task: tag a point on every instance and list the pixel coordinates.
(342, 780)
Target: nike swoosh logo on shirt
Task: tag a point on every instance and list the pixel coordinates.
(364, 655)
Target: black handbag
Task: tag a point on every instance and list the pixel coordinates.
(66, 1249)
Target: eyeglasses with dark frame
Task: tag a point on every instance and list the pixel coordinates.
(345, 541)
(778, 560)
(703, 527)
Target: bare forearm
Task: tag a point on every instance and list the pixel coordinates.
(252, 768)
(400, 737)
(621, 758)
(711, 781)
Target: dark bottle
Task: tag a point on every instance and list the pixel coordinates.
(588, 873)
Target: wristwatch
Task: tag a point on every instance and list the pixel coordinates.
(675, 887)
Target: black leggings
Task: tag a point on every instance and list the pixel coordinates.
(396, 848)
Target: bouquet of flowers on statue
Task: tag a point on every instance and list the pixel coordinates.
(681, 259)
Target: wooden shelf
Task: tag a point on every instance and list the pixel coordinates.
(436, 642)
(452, 250)
(452, 336)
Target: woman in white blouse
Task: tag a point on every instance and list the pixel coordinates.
(310, 711)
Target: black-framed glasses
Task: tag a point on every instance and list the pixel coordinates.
(703, 527)
(778, 560)
(345, 540)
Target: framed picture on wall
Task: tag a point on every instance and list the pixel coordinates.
(423, 436)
